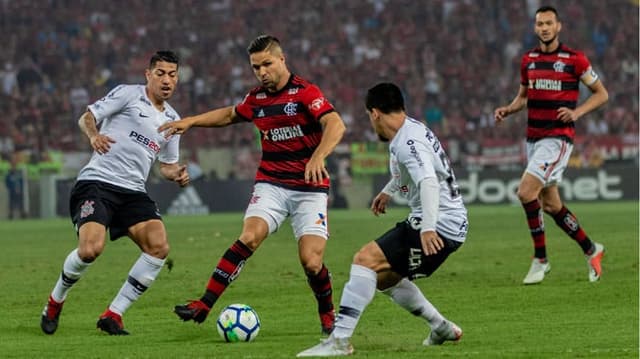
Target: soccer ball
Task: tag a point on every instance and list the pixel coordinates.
(238, 323)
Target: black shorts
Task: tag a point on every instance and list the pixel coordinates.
(403, 249)
(115, 207)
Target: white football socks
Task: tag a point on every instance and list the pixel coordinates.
(407, 295)
(142, 274)
(356, 295)
(72, 270)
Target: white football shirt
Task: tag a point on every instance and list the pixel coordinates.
(416, 154)
(127, 116)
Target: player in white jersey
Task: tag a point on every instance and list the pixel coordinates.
(110, 190)
(436, 227)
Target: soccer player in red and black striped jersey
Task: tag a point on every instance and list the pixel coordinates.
(299, 128)
(549, 88)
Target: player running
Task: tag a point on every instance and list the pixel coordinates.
(550, 78)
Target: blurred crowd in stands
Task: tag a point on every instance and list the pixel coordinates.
(455, 59)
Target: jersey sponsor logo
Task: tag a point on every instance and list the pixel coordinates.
(265, 135)
(261, 96)
(316, 104)
(291, 108)
(534, 54)
(292, 91)
(261, 113)
(414, 152)
(171, 116)
(532, 66)
(564, 55)
(87, 209)
(283, 133)
(546, 84)
(143, 115)
(254, 199)
(559, 66)
(145, 141)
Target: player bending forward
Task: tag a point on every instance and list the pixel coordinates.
(110, 190)
(416, 247)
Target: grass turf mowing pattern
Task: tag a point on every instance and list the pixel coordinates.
(479, 288)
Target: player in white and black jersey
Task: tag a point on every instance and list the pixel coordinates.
(110, 190)
(436, 226)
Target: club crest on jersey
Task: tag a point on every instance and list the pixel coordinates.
(291, 109)
(321, 219)
(559, 66)
(87, 209)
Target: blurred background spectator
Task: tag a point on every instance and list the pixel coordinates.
(455, 59)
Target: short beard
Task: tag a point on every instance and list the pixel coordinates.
(548, 42)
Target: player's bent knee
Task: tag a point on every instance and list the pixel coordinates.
(89, 254)
(312, 265)
(365, 257)
(158, 250)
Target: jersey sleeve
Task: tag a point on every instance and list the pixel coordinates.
(245, 108)
(584, 70)
(316, 103)
(112, 103)
(417, 158)
(170, 152)
(524, 77)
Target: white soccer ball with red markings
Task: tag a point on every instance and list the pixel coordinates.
(238, 323)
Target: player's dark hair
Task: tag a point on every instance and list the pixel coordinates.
(386, 97)
(262, 43)
(164, 55)
(549, 8)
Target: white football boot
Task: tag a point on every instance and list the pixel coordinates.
(330, 347)
(537, 271)
(446, 331)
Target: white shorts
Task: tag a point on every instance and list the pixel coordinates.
(548, 158)
(308, 210)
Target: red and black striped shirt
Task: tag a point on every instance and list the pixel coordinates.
(290, 131)
(552, 81)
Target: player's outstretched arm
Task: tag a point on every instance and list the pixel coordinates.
(175, 172)
(100, 143)
(216, 118)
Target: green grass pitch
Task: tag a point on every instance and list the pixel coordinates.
(478, 287)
